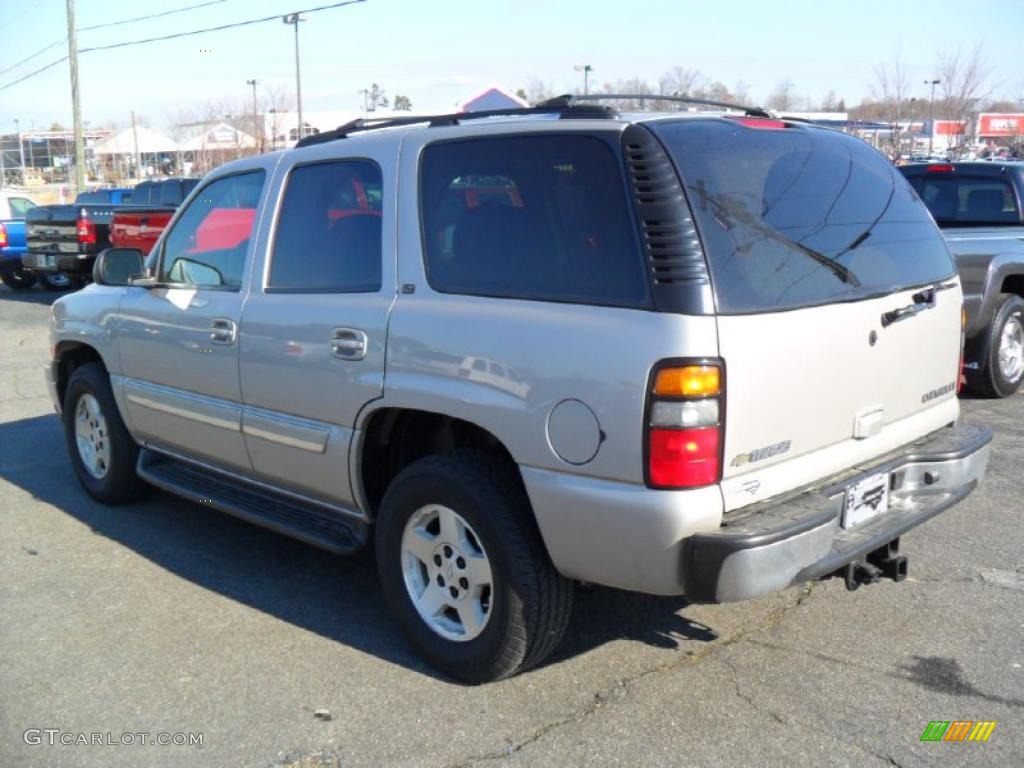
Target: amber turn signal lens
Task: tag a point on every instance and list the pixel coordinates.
(688, 381)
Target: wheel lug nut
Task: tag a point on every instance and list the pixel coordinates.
(440, 580)
(464, 582)
(454, 592)
(447, 551)
(437, 560)
(460, 562)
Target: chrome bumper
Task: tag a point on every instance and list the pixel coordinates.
(769, 547)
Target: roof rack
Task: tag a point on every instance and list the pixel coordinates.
(572, 100)
(563, 111)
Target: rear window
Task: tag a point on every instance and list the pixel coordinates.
(141, 194)
(796, 217)
(541, 217)
(93, 197)
(962, 200)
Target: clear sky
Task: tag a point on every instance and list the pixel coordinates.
(438, 52)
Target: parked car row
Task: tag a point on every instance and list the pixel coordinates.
(56, 245)
(713, 355)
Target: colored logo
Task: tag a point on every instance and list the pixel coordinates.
(958, 730)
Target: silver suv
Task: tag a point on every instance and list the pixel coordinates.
(704, 354)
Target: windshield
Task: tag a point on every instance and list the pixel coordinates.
(795, 217)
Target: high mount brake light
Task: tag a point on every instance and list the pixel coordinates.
(941, 168)
(684, 425)
(764, 123)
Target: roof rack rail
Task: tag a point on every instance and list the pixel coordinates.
(571, 100)
(563, 111)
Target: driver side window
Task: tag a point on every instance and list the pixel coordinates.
(208, 244)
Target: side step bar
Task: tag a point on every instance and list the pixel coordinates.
(314, 523)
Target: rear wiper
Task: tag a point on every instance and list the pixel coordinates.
(922, 300)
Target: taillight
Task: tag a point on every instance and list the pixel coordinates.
(684, 424)
(86, 230)
(3, 236)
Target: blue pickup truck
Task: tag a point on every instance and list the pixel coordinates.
(13, 207)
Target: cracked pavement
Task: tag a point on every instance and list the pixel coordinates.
(167, 617)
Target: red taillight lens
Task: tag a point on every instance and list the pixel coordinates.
(941, 169)
(3, 236)
(86, 229)
(684, 458)
(961, 374)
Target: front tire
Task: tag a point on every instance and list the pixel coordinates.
(18, 279)
(1004, 366)
(102, 452)
(464, 569)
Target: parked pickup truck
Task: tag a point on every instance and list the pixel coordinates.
(713, 355)
(63, 240)
(152, 207)
(980, 208)
(13, 207)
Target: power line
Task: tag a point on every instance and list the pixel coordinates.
(176, 35)
(216, 29)
(111, 24)
(29, 58)
(151, 16)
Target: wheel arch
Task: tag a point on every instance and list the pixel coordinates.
(70, 355)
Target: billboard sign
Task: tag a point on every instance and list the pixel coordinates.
(995, 125)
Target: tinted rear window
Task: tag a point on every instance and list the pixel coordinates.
(93, 197)
(798, 216)
(141, 194)
(963, 200)
(541, 217)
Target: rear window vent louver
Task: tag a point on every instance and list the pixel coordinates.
(671, 243)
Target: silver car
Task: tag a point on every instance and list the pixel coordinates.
(704, 354)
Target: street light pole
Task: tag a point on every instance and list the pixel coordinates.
(21, 149)
(76, 104)
(586, 69)
(255, 112)
(294, 19)
(931, 116)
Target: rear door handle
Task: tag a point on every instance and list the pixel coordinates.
(348, 343)
(223, 331)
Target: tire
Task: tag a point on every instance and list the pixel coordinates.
(529, 601)
(1004, 364)
(54, 281)
(115, 482)
(18, 279)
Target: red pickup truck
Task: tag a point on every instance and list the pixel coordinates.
(153, 206)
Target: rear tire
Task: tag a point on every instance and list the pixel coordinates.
(18, 279)
(528, 603)
(54, 281)
(102, 452)
(1004, 365)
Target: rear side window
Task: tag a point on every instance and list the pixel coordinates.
(140, 195)
(328, 236)
(962, 200)
(20, 206)
(530, 217)
(799, 216)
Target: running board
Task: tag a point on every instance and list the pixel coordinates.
(312, 523)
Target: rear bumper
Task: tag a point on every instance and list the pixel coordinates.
(74, 263)
(769, 547)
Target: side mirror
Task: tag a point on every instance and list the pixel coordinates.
(116, 266)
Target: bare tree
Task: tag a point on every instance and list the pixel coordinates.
(782, 97)
(964, 82)
(678, 81)
(537, 91)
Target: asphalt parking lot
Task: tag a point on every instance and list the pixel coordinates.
(164, 617)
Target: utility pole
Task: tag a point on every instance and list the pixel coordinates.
(294, 19)
(21, 149)
(76, 106)
(3, 169)
(255, 113)
(135, 143)
(931, 116)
